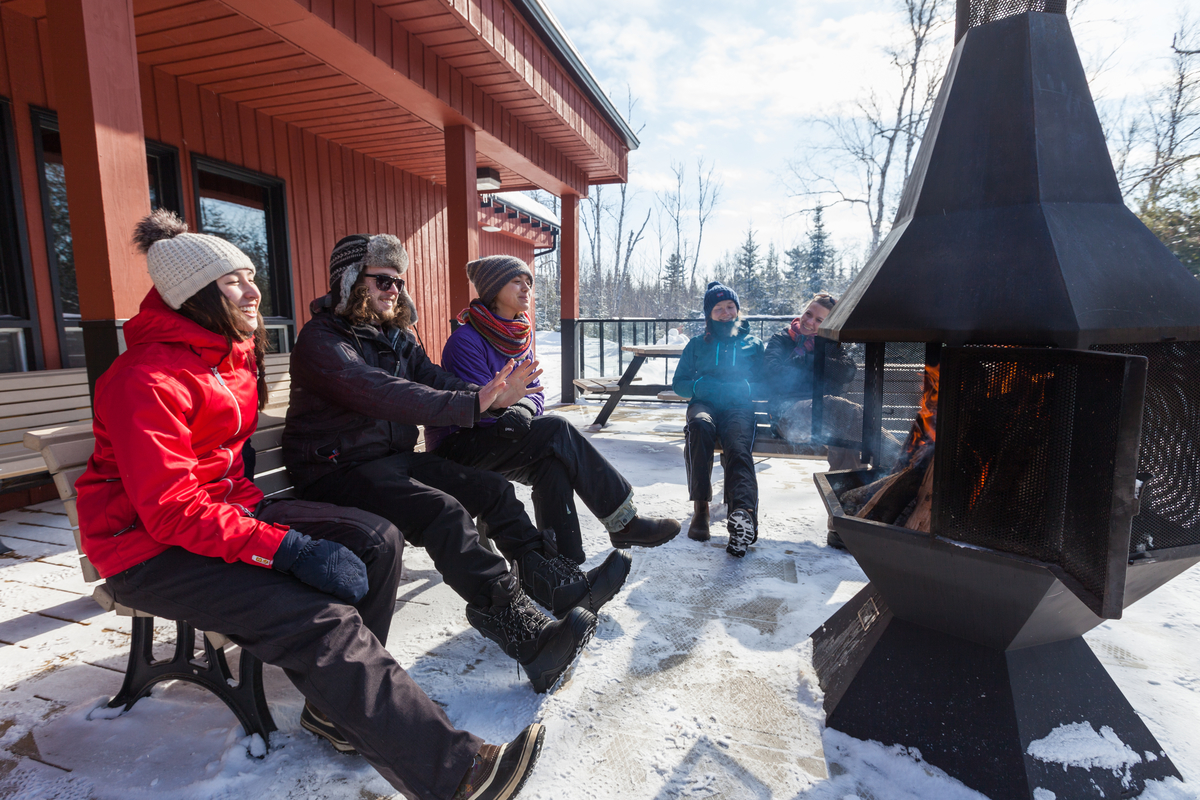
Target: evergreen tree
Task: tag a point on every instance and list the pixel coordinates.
(675, 277)
(746, 264)
(795, 276)
(775, 298)
(821, 261)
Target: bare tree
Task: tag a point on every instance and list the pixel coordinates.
(708, 194)
(1170, 127)
(675, 203)
(878, 141)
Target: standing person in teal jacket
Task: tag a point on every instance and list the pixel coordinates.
(717, 373)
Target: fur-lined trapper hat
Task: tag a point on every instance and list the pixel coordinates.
(182, 263)
(356, 252)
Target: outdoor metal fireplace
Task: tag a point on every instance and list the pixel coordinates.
(1030, 391)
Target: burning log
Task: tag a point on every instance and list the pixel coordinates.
(920, 518)
(892, 498)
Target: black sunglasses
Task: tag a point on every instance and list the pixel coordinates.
(385, 282)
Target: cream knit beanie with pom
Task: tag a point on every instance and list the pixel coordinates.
(182, 263)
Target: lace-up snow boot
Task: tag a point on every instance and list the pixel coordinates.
(555, 582)
(741, 533)
(499, 772)
(543, 647)
(646, 532)
(698, 529)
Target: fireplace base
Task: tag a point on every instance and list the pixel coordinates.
(973, 711)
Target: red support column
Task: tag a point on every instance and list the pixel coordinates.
(568, 292)
(94, 55)
(462, 207)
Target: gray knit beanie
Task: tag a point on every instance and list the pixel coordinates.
(489, 274)
(354, 253)
(182, 263)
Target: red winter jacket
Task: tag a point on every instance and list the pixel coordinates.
(170, 418)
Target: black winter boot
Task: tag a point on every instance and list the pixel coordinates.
(545, 648)
(557, 584)
(698, 529)
(645, 532)
(742, 533)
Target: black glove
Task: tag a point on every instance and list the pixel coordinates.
(323, 565)
(514, 422)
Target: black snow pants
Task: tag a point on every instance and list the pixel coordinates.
(433, 502)
(734, 428)
(332, 652)
(558, 462)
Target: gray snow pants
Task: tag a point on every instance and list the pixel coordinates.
(332, 652)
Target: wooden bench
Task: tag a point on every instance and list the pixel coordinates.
(599, 385)
(64, 451)
(30, 400)
(766, 442)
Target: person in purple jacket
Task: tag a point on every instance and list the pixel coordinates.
(544, 452)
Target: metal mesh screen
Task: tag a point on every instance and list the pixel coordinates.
(985, 11)
(1170, 449)
(1028, 444)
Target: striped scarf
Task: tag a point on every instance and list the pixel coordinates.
(510, 336)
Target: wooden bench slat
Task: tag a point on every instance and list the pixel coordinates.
(16, 381)
(34, 394)
(265, 439)
(16, 467)
(65, 481)
(267, 461)
(273, 482)
(46, 419)
(65, 455)
(37, 439)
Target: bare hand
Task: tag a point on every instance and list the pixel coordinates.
(518, 385)
(493, 388)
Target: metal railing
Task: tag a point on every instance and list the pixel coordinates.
(592, 332)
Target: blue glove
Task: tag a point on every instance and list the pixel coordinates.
(323, 565)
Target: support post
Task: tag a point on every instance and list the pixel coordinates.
(462, 208)
(568, 293)
(104, 153)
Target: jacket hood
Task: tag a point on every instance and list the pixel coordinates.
(324, 305)
(158, 323)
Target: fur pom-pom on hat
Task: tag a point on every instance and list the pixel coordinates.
(182, 263)
(353, 253)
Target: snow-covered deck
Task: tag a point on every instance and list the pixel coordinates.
(698, 683)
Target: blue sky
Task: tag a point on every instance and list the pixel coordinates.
(741, 85)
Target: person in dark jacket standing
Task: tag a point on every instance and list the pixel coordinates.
(718, 373)
(789, 371)
(169, 518)
(545, 452)
(360, 386)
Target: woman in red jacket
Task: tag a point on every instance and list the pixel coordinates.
(170, 520)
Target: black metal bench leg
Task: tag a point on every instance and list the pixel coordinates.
(627, 378)
(246, 700)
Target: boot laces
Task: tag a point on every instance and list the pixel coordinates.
(519, 620)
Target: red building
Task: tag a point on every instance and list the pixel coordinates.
(283, 125)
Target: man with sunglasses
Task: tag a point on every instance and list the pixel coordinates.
(361, 384)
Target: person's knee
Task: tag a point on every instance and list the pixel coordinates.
(703, 427)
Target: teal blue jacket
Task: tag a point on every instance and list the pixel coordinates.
(723, 373)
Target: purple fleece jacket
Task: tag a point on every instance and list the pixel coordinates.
(471, 357)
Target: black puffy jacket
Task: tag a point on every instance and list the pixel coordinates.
(358, 394)
(788, 371)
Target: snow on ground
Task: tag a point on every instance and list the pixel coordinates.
(698, 684)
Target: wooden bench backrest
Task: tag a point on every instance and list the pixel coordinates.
(31, 400)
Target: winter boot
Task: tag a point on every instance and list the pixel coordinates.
(645, 532)
(544, 648)
(498, 773)
(557, 584)
(698, 529)
(316, 722)
(741, 533)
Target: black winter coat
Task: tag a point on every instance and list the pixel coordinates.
(358, 394)
(789, 372)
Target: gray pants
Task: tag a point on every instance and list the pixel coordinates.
(332, 652)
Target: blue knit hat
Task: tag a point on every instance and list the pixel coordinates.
(715, 293)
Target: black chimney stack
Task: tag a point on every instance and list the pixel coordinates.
(1012, 229)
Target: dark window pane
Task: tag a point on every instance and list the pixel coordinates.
(12, 284)
(12, 350)
(154, 170)
(237, 212)
(59, 221)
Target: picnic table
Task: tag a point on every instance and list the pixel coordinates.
(624, 386)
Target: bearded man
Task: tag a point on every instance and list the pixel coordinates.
(361, 384)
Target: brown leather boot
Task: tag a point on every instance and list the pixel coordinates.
(698, 529)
